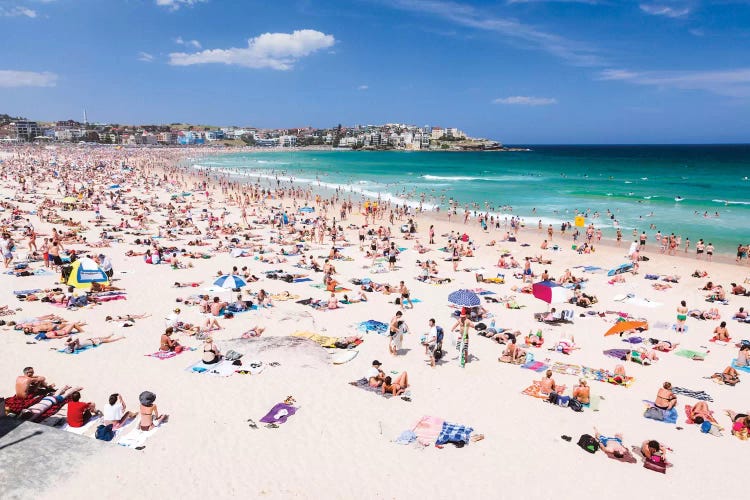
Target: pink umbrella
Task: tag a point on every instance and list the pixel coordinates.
(550, 292)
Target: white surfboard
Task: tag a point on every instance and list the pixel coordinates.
(344, 356)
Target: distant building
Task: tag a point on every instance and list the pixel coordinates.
(26, 130)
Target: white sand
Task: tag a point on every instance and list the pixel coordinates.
(339, 445)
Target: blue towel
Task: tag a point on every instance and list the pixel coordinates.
(670, 416)
(406, 437)
(373, 326)
(77, 351)
(745, 369)
(454, 433)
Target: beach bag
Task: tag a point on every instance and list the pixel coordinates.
(588, 443)
(480, 327)
(656, 464)
(575, 405)
(563, 401)
(553, 397)
(654, 413)
(105, 432)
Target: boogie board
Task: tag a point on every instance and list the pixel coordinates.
(344, 356)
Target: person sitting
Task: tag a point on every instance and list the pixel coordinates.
(582, 392)
(654, 451)
(114, 413)
(740, 424)
(167, 343)
(547, 384)
(80, 412)
(721, 333)
(743, 356)
(741, 314)
(150, 417)
(211, 353)
(395, 387)
(60, 396)
(29, 384)
(611, 445)
(333, 302)
(512, 353)
(738, 289)
(665, 398)
(375, 375)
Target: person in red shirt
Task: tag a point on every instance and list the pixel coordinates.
(79, 412)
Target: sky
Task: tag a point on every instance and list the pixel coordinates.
(517, 71)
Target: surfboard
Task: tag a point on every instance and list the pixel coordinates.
(344, 356)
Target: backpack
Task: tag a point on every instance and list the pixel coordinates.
(654, 413)
(575, 405)
(563, 400)
(553, 398)
(105, 432)
(588, 443)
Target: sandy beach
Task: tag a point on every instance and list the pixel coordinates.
(340, 441)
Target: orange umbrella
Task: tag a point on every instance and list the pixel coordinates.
(624, 326)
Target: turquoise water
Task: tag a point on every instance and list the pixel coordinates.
(638, 184)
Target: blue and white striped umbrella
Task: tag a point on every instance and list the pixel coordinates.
(230, 281)
(464, 298)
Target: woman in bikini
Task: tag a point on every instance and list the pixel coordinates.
(721, 333)
(395, 387)
(211, 353)
(665, 398)
(681, 316)
(149, 413)
(167, 343)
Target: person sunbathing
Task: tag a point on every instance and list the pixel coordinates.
(211, 353)
(60, 331)
(743, 356)
(29, 384)
(73, 344)
(60, 396)
(729, 376)
(150, 417)
(611, 445)
(654, 451)
(255, 331)
(167, 343)
(565, 345)
(114, 413)
(333, 302)
(535, 339)
(721, 333)
(547, 384)
(512, 353)
(582, 392)
(665, 398)
(395, 387)
(740, 423)
(665, 346)
(740, 314)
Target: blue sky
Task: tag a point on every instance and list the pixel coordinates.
(520, 71)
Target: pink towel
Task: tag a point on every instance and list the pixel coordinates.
(428, 429)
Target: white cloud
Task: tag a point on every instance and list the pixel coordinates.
(17, 11)
(12, 78)
(270, 50)
(733, 82)
(673, 11)
(523, 100)
(468, 16)
(363, 87)
(145, 57)
(190, 43)
(176, 4)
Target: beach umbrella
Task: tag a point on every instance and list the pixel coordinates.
(464, 298)
(624, 326)
(85, 271)
(550, 292)
(230, 282)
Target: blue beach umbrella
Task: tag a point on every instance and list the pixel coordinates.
(464, 298)
(230, 281)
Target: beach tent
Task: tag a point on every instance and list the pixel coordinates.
(464, 298)
(85, 271)
(624, 326)
(550, 292)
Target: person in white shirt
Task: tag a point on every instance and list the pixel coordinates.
(114, 413)
(106, 264)
(174, 319)
(430, 338)
(375, 375)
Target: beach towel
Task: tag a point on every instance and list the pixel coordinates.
(454, 433)
(93, 422)
(536, 366)
(279, 414)
(365, 385)
(670, 416)
(167, 354)
(620, 354)
(745, 369)
(633, 340)
(77, 351)
(534, 391)
(694, 355)
(566, 368)
(427, 430)
(14, 404)
(405, 438)
(607, 376)
(700, 395)
(221, 369)
(322, 340)
(372, 325)
(137, 438)
(301, 280)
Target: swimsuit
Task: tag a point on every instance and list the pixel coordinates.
(681, 317)
(605, 440)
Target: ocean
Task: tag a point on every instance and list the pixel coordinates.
(699, 191)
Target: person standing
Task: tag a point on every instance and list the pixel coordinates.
(682, 311)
